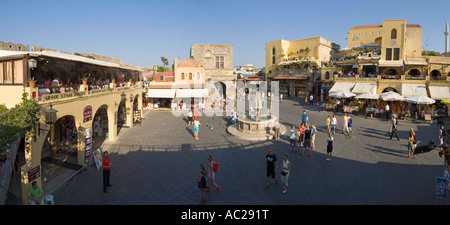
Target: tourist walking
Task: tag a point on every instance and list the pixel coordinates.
(313, 136)
(307, 141)
(190, 117)
(350, 121)
(196, 128)
(345, 124)
(212, 175)
(285, 170)
(394, 128)
(305, 118)
(412, 143)
(292, 139)
(334, 123)
(271, 160)
(329, 146)
(106, 164)
(202, 182)
(441, 136)
(301, 134)
(276, 127)
(328, 124)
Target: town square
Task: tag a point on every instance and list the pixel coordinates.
(179, 103)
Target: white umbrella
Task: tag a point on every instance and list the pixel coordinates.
(342, 94)
(367, 96)
(420, 99)
(392, 96)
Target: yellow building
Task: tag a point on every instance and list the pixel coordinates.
(94, 100)
(389, 57)
(295, 64)
(188, 83)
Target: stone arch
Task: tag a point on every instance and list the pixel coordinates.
(391, 72)
(414, 72)
(389, 89)
(435, 73)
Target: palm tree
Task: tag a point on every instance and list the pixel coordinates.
(164, 61)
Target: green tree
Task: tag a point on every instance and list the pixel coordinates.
(164, 61)
(16, 121)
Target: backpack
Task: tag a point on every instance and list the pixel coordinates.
(215, 166)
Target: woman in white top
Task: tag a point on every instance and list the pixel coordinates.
(286, 168)
(334, 123)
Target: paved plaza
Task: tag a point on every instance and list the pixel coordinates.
(159, 163)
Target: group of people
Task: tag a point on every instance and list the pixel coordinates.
(206, 178)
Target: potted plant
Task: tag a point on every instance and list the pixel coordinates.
(32, 82)
(84, 80)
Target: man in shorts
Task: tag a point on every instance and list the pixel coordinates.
(271, 161)
(307, 141)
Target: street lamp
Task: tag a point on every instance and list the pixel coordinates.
(50, 118)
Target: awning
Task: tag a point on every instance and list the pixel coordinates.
(439, 92)
(192, 93)
(414, 89)
(342, 86)
(365, 88)
(160, 93)
(416, 63)
(393, 63)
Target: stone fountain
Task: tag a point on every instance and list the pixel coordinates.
(255, 127)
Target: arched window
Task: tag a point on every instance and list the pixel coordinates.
(393, 34)
(182, 76)
(273, 51)
(190, 76)
(197, 75)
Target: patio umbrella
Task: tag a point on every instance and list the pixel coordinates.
(342, 94)
(420, 99)
(367, 96)
(392, 96)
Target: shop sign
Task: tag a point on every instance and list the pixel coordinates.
(87, 114)
(34, 173)
(60, 96)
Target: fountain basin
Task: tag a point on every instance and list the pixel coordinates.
(249, 128)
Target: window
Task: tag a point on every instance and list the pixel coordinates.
(365, 33)
(182, 76)
(197, 76)
(1, 73)
(372, 33)
(393, 34)
(388, 53)
(273, 59)
(18, 71)
(220, 62)
(161, 78)
(396, 53)
(379, 33)
(190, 76)
(273, 51)
(9, 73)
(207, 54)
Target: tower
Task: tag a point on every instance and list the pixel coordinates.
(446, 33)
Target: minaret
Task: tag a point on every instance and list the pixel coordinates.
(446, 33)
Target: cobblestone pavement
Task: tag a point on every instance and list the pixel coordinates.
(159, 162)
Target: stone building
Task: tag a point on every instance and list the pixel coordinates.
(13, 47)
(217, 61)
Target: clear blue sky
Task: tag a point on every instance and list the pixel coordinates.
(140, 32)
